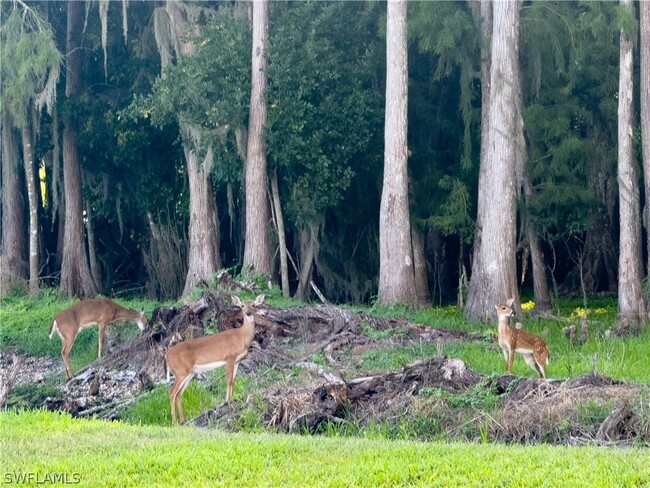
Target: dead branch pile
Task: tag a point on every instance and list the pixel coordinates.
(588, 409)
(305, 409)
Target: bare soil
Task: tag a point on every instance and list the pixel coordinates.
(437, 397)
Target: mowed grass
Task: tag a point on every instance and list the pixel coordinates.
(43, 444)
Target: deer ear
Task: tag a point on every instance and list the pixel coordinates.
(259, 300)
(510, 301)
(236, 300)
(496, 307)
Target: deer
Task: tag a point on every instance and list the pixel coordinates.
(228, 348)
(103, 312)
(512, 340)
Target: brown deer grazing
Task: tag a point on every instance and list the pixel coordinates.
(511, 340)
(85, 313)
(206, 353)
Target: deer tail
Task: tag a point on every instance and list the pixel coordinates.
(53, 327)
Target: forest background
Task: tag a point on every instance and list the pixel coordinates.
(127, 127)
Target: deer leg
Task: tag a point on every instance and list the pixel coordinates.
(176, 397)
(506, 355)
(65, 354)
(102, 333)
(511, 359)
(231, 371)
(172, 400)
(539, 360)
(532, 362)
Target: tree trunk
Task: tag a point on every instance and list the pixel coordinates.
(631, 311)
(396, 271)
(32, 202)
(644, 14)
(494, 269)
(95, 270)
(485, 22)
(540, 282)
(203, 259)
(282, 239)
(308, 236)
(203, 254)
(423, 294)
(13, 257)
(256, 250)
(76, 279)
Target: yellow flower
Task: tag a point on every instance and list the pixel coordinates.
(528, 305)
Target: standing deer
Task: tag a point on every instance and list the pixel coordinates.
(85, 313)
(511, 340)
(207, 353)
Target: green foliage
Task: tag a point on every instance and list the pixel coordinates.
(209, 89)
(454, 213)
(30, 395)
(447, 30)
(380, 334)
(571, 61)
(323, 111)
(29, 62)
(115, 454)
(483, 396)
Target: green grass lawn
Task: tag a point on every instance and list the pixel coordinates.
(94, 453)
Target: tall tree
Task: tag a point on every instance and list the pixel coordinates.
(631, 310)
(76, 279)
(175, 36)
(493, 276)
(30, 72)
(644, 15)
(256, 246)
(396, 267)
(13, 252)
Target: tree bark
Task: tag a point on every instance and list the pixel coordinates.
(485, 22)
(396, 270)
(95, 270)
(631, 309)
(540, 282)
(423, 294)
(494, 270)
(76, 279)
(203, 254)
(13, 257)
(308, 236)
(32, 202)
(256, 248)
(282, 239)
(644, 46)
(204, 259)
